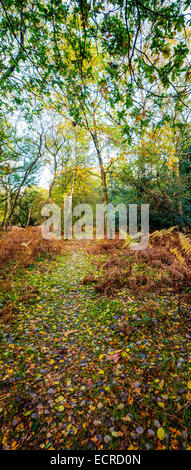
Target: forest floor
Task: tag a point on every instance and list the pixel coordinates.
(73, 378)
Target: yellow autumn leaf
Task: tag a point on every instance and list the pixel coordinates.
(4, 441)
(161, 404)
(189, 384)
(161, 384)
(124, 354)
(14, 445)
(161, 433)
(60, 398)
(92, 408)
(60, 408)
(130, 400)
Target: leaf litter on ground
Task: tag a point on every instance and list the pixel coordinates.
(81, 371)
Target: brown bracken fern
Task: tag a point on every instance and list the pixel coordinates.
(185, 244)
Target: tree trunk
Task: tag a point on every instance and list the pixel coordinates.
(71, 193)
(54, 178)
(29, 216)
(102, 170)
(27, 173)
(4, 216)
(7, 217)
(103, 180)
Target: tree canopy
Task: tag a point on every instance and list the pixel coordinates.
(108, 82)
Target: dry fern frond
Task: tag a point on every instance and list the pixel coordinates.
(185, 244)
(177, 255)
(160, 234)
(23, 246)
(164, 264)
(163, 232)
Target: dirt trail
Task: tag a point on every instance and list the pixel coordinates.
(71, 381)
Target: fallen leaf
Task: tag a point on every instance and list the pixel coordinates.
(161, 433)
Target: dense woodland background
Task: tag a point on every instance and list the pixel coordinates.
(95, 102)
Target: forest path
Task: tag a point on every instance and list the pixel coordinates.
(71, 381)
(66, 390)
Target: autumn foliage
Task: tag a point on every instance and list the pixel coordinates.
(22, 246)
(164, 264)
